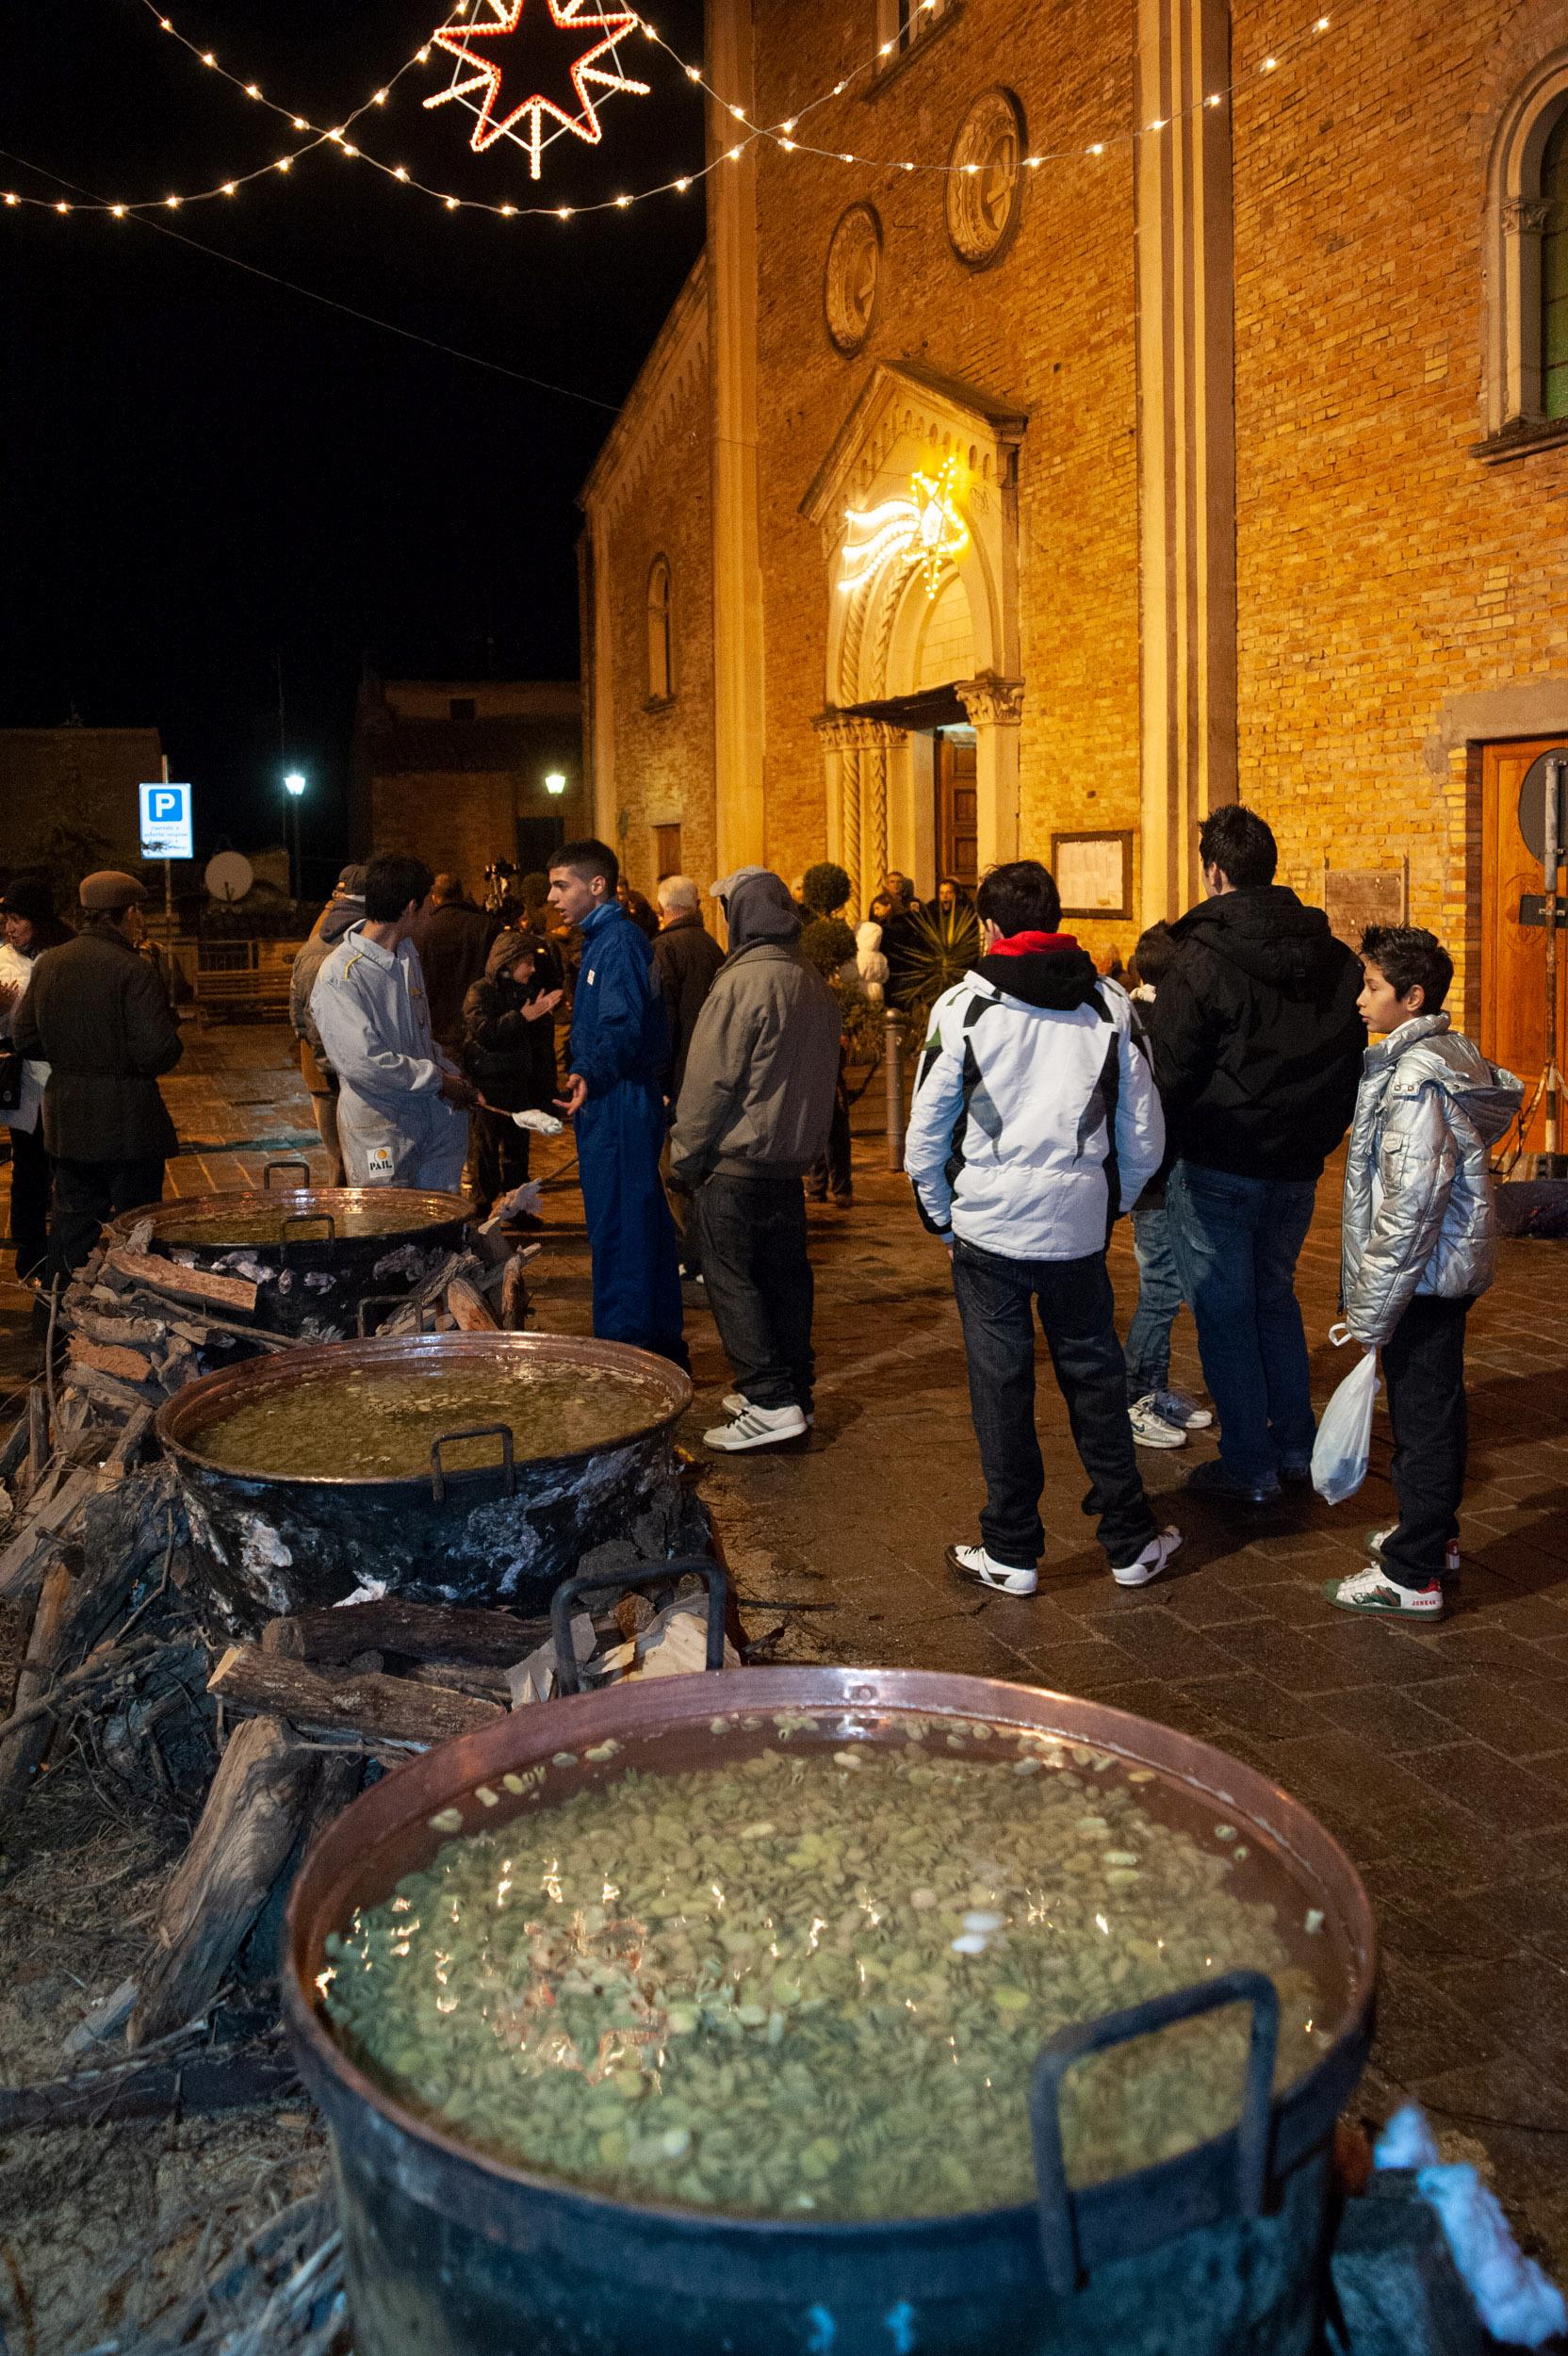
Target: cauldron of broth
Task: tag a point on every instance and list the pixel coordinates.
(311, 1472)
(477, 2219)
(325, 1260)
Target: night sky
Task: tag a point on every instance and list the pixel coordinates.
(205, 473)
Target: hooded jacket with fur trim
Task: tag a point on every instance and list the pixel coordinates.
(1034, 1120)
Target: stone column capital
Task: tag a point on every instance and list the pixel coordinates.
(1527, 216)
(992, 702)
(851, 732)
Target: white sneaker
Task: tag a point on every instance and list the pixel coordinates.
(756, 1427)
(1150, 1428)
(736, 1404)
(1373, 1590)
(975, 1564)
(1150, 1563)
(1175, 1407)
(1378, 1539)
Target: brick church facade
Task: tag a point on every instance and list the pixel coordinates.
(1199, 429)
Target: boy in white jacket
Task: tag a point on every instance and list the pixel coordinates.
(1035, 1126)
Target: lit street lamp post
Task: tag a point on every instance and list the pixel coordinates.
(294, 785)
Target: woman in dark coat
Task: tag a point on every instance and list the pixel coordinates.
(509, 1054)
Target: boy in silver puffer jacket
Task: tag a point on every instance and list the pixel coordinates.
(1419, 1245)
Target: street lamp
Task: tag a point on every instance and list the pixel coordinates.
(555, 782)
(294, 785)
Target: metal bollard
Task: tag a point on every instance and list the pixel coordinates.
(892, 1061)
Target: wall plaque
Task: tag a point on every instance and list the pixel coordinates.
(1355, 897)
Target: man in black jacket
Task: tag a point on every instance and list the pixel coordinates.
(453, 939)
(96, 1013)
(1258, 1048)
(686, 957)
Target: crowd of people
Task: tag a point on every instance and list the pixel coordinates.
(706, 1091)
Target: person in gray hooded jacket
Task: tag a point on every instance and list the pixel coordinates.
(754, 1111)
(1419, 1238)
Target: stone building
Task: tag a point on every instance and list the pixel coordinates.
(455, 772)
(1175, 408)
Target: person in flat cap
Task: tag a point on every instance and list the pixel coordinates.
(29, 926)
(98, 1015)
(345, 908)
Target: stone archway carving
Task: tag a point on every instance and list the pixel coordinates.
(904, 424)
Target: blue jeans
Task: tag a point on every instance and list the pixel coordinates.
(1235, 1243)
(1159, 1298)
(997, 1300)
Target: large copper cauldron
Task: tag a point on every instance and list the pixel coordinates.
(319, 1277)
(272, 1543)
(1217, 2251)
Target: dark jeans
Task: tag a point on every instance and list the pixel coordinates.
(30, 1173)
(1159, 1298)
(751, 1236)
(1077, 1314)
(1235, 1242)
(500, 1151)
(1423, 1369)
(87, 1194)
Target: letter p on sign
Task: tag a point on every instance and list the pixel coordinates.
(167, 823)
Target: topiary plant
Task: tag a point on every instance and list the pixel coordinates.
(825, 887)
(825, 942)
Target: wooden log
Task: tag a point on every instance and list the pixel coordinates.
(15, 1445)
(380, 1709)
(20, 1752)
(111, 1390)
(38, 1436)
(182, 1283)
(117, 1358)
(253, 1811)
(464, 1676)
(337, 1782)
(129, 1329)
(50, 1520)
(204, 2082)
(123, 1456)
(470, 1307)
(416, 1632)
(515, 1295)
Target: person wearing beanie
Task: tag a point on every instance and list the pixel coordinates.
(97, 1014)
(509, 1054)
(345, 908)
(29, 926)
(755, 1110)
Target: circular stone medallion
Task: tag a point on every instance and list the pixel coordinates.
(985, 187)
(850, 277)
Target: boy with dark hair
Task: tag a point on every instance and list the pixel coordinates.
(1257, 1048)
(1160, 1416)
(403, 1118)
(617, 1059)
(1419, 1243)
(1035, 1122)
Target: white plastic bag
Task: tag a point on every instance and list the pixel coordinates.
(1344, 1439)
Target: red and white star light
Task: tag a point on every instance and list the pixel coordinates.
(534, 71)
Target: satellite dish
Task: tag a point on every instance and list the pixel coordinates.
(229, 875)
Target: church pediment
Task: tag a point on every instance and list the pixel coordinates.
(906, 410)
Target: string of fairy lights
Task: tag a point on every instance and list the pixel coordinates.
(786, 136)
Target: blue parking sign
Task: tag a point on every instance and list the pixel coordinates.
(167, 823)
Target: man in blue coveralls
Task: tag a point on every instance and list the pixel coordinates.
(618, 1058)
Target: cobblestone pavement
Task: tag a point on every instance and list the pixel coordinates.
(1439, 1758)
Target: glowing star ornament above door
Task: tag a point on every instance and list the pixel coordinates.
(926, 529)
(530, 71)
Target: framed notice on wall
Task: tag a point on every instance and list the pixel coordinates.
(1094, 872)
(1355, 897)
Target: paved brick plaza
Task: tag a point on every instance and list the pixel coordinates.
(1440, 1759)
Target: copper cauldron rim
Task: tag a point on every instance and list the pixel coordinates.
(406, 1799)
(282, 1370)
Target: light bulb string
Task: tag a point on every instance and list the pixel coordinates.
(779, 135)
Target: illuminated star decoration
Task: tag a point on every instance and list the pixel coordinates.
(926, 529)
(561, 51)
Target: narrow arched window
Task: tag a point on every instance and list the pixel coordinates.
(1554, 271)
(660, 651)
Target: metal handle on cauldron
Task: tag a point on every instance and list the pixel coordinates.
(502, 1432)
(1063, 2267)
(306, 1218)
(651, 1574)
(284, 1161)
(393, 1301)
